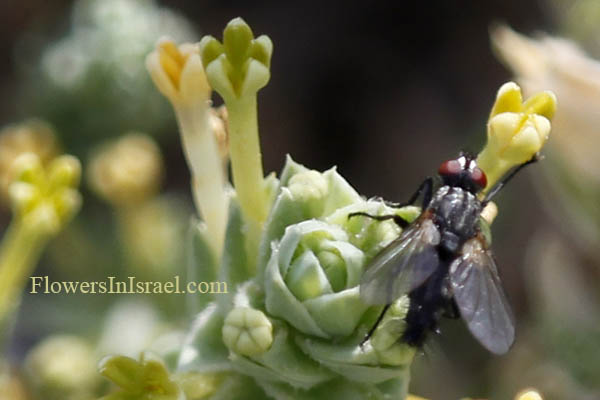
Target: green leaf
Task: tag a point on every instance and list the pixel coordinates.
(337, 314)
(283, 362)
(354, 362)
(203, 350)
(234, 264)
(201, 263)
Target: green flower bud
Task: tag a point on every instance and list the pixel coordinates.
(310, 188)
(45, 200)
(31, 136)
(247, 331)
(239, 66)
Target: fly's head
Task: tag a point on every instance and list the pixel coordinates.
(463, 172)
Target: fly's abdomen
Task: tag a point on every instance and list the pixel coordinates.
(427, 305)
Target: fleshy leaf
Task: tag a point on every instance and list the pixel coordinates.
(203, 350)
(283, 362)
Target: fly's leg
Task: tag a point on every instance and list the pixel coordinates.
(402, 223)
(537, 157)
(375, 325)
(425, 188)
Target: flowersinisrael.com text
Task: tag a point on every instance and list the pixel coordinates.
(42, 284)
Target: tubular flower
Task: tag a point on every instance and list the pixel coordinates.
(178, 73)
(572, 175)
(516, 130)
(237, 69)
(43, 201)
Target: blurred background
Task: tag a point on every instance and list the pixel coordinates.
(385, 91)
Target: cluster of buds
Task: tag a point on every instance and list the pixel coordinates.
(43, 199)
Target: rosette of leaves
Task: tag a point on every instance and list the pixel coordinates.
(291, 325)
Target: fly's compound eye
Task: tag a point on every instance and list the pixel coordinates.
(450, 168)
(478, 177)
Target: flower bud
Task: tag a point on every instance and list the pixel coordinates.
(177, 72)
(32, 136)
(309, 188)
(240, 66)
(45, 200)
(247, 331)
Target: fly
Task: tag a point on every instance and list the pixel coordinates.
(443, 262)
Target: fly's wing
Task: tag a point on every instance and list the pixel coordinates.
(478, 293)
(403, 265)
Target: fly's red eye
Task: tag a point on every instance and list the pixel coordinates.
(450, 167)
(478, 176)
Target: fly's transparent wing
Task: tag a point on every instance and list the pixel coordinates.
(403, 265)
(480, 298)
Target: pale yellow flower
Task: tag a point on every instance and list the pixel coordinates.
(178, 73)
(516, 130)
(559, 64)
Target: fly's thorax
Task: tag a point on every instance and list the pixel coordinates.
(456, 214)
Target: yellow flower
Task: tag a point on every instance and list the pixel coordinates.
(557, 63)
(178, 73)
(516, 130)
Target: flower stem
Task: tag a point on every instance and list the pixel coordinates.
(246, 158)
(203, 157)
(19, 252)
